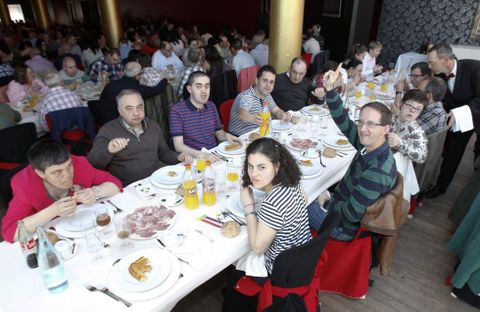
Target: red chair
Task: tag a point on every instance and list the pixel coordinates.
(288, 276)
(348, 267)
(246, 78)
(225, 109)
(308, 58)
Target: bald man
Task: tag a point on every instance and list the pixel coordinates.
(71, 74)
(130, 80)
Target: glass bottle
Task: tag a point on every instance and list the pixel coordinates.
(28, 244)
(266, 120)
(209, 197)
(51, 264)
(190, 187)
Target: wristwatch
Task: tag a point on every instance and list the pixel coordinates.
(97, 192)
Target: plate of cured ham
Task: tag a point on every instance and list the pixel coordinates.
(147, 222)
(302, 144)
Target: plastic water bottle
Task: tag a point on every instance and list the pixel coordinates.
(266, 120)
(209, 197)
(51, 265)
(190, 187)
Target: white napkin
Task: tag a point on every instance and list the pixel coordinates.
(252, 264)
(195, 249)
(463, 119)
(405, 167)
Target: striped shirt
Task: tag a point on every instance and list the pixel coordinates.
(285, 211)
(433, 118)
(58, 98)
(197, 126)
(251, 102)
(369, 176)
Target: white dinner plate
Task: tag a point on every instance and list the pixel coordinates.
(163, 186)
(280, 126)
(221, 149)
(169, 175)
(117, 278)
(310, 171)
(331, 141)
(315, 110)
(289, 144)
(73, 229)
(234, 204)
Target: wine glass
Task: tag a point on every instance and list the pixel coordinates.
(103, 220)
(92, 241)
(123, 229)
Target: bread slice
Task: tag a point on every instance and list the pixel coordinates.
(306, 162)
(232, 147)
(139, 267)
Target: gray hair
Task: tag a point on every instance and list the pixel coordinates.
(53, 79)
(126, 92)
(443, 50)
(437, 87)
(132, 69)
(193, 55)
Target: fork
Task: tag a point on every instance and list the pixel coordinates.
(220, 156)
(321, 162)
(108, 293)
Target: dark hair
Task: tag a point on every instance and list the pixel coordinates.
(352, 64)
(46, 153)
(416, 95)
(195, 75)
(357, 48)
(265, 68)
(212, 41)
(329, 65)
(237, 44)
(423, 66)
(385, 113)
(437, 87)
(443, 50)
(20, 74)
(288, 171)
(114, 51)
(145, 60)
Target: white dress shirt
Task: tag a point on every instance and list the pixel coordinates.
(242, 60)
(159, 61)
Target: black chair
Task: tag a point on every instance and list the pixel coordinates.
(318, 62)
(223, 87)
(5, 80)
(15, 142)
(103, 111)
(292, 268)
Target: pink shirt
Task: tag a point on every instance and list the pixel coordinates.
(17, 92)
(30, 195)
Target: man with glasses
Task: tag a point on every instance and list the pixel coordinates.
(407, 137)
(463, 88)
(418, 73)
(109, 65)
(372, 172)
(132, 146)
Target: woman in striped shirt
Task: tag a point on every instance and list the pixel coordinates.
(282, 220)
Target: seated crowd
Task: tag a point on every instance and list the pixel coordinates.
(132, 146)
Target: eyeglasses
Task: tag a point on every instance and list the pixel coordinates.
(412, 108)
(369, 124)
(415, 76)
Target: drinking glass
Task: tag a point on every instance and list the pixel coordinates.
(233, 173)
(103, 220)
(123, 229)
(313, 124)
(201, 163)
(220, 180)
(371, 85)
(357, 94)
(92, 241)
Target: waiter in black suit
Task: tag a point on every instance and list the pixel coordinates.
(463, 80)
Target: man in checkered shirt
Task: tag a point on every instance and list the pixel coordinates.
(57, 98)
(109, 64)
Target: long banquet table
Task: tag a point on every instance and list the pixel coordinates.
(22, 288)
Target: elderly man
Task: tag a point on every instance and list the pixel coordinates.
(372, 172)
(241, 58)
(70, 74)
(463, 81)
(194, 122)
(292, 91)
(244, 115)
(130, 80)
(109, 65)
(165, 59)
(132, 146)
(433, 118)
(57, 98)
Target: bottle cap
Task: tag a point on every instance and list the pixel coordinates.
(208, 162)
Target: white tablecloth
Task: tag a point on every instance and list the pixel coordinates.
(22, 288)
(30, 116)
(406, 60)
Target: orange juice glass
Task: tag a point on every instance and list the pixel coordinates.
(358, 94)
(383, 87)
(201, 164)
(371, 85)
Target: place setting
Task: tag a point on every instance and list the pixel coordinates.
(309, 163)
(315, 109)
(228, 149)
(168, 177)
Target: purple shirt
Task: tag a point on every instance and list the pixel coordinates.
(197, 126)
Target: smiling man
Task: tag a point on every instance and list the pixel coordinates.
(195, 123)
(372, 172)
(244, 115)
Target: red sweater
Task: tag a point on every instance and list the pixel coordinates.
(30, 195)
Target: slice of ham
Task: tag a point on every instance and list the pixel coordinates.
(146, 221)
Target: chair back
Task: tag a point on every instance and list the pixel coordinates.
(223, 87)
(308, 58)
(3, 94)
(5, 80)
(320, 59)
(225, 109)
(427, 172)
(246, 78)
(103, 111)
(286, 270)
(15, 142)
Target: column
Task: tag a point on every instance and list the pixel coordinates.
(111, 21)
(41, 13)
(4, 14)
(286, 25)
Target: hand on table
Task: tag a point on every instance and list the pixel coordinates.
(64, 207)
(377, 69)
(232, 139)
(185, 158)
(208, 156)
(86, 196)
(117, 144)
